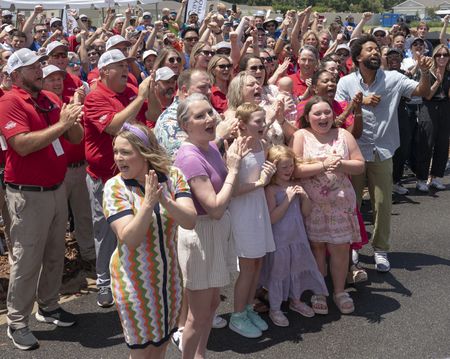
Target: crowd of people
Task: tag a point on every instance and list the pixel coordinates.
(187, 150)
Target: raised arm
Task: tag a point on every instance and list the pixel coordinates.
(180, 12)
(29, 24)
(443, 34)
(358, 30)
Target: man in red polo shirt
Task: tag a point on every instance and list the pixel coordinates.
(75, 180)
(107, 108)
(308, 62)
(33, 123)
(57, 55)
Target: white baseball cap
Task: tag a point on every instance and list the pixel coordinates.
(379, 29)
(9, 28)
(343, 46)
(83, 16)
(51, 69)
(111, 57)
(147, 13)
(148, 53)
(115, 40)
(54, 19)
(23, 57)
(6, 13)
(222, 45)
(53, 46)
(164, 74)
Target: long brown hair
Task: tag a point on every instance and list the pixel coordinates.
(314, 101)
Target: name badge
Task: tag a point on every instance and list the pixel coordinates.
(3, 143)
(57, 147)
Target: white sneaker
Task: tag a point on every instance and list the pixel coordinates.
(422, 186)
(219, 322)
(397, 188)
(436, 183)
(176, 338)
(355, 256)
(381, 261)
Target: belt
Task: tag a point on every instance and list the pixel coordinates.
(76, 164)
(33, 188)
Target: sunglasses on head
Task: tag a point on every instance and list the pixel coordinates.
(257, 67)
(172, 60)
(224, 66)
(59, 55)
(207, 53)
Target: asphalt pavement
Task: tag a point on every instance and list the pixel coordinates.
(401, 314)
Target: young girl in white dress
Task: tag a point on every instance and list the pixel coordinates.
(250, 220)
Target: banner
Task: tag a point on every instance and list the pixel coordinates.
(197, 6)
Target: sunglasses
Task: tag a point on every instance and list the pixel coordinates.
(57, 24)
(191, 39)
(146, 17)
(267, 59)
(207, 53)
(257, 67)
(172, 60)
(223, 51)
(224, 66)
(59, 55)
(90, 54)
(7, 17)
(73, 64)
(41, 30)
(442, 55)
(84, 20)
(379, 34)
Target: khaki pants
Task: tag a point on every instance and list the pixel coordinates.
(78, 197)
(379, 180)
(38, 226)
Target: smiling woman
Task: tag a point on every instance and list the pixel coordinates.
(144, 204)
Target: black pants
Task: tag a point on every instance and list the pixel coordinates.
(407, 123)
(432, 139)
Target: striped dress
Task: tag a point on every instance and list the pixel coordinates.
(146, 281)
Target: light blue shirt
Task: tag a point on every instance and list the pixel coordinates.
(380, 123)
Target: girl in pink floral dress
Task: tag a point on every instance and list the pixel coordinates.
(329, 156)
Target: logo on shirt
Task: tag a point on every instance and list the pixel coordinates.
(103, 118)
(10, 125)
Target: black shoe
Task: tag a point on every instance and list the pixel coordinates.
(22, 338)
(59, 317)
(104, 297)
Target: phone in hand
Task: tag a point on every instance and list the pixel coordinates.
(234, 8)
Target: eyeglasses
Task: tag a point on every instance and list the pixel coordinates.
(224, 66)
(207, 53)
(191, 39)
(73, 64)
(342, 54)
(257, 67)
(172, 60)
(41, 30)
(59, 55)
(442, 55)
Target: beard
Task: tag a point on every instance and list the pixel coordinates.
(32, 86)
(372, 64)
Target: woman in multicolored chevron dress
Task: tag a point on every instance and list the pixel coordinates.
(144, 204)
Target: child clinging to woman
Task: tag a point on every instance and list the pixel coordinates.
(291, 268)
(250, 221)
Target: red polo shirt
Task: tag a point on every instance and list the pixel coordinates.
(71, 83)
(218, 99)
(100, 107)
(2, 152)
(20, 115)
(94, 75)
(74, 151)
(299, 86)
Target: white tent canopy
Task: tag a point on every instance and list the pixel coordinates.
(78, 4)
